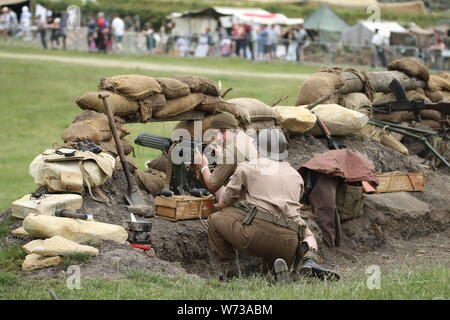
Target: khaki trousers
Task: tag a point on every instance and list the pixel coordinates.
(260, 238)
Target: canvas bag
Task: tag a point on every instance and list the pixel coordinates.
(70, 174)
(349, 200)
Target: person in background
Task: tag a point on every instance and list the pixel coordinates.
(238, 34)
(249, 41)
(63, 29)
(149, 34)
(100, 39)
(42, 29)
(101, 21)
(25, 23)
(300, 36)
(266, 39)
(55, 33)
(91, 25)
(183, 46)
(378, 41)
(118, 31)
(4, 23)
(260, 43)
(10, 23)
(210, 41)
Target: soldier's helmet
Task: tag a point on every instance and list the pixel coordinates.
(271, 143)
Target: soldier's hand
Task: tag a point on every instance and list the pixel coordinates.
(200, 159)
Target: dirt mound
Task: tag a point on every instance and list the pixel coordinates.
(182, 248)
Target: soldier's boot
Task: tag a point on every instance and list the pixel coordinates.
(281, 272)
(311, 268)
(230, 270)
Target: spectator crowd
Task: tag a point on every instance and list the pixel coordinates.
(108, 34)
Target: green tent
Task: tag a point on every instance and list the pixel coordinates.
(327, 24)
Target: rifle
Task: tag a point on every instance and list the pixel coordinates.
(333, 145)
(182, 176)
(405, 131)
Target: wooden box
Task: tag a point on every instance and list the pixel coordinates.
(184, 207)
(400, 181)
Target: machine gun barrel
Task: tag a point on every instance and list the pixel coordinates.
(153, 141)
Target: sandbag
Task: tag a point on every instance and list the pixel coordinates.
(213, 104)
(179, 105)
(173, 88)
(253, 131)
(110, 147)
(260, 125)
(160, 163)
(80, 231)
(20, 233)
(430, 115)
(70, 174)
(257, 109)
(45, 205)
(413, 67)
(35, 261)
(152, 180)
(384, 137)
(339, 120)
(119, 105)
(434, 96)
(317, 86)
(131, 165)
(200, 84)
(133, 86)
(296, 120)
(151, 105)
(439, 82)
(58, 246)
(357, 101)
(99, 121)
(81, 131)
(429, 124)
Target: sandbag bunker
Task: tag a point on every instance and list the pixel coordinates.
(95, 148)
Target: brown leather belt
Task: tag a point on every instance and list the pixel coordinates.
(253, 212)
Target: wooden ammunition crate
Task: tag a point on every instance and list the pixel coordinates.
(184, 207)
(400, 181)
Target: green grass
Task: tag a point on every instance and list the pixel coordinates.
(37, 105)
(416, 283)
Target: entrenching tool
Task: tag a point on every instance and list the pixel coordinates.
(133, 195)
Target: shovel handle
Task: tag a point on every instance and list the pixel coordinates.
(116, 137)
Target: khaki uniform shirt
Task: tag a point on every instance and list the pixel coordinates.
(271, 186)
(238, 151)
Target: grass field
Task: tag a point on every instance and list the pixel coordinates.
(416, 283)
(37, 104)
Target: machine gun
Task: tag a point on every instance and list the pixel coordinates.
(402, 103)
(182, 150)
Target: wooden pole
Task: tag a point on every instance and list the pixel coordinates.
(380, 81)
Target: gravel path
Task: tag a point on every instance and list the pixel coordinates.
(148, 66)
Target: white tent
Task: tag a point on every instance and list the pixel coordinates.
(361, 33)
(195, 22)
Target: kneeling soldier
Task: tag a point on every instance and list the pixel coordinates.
(260, 214)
